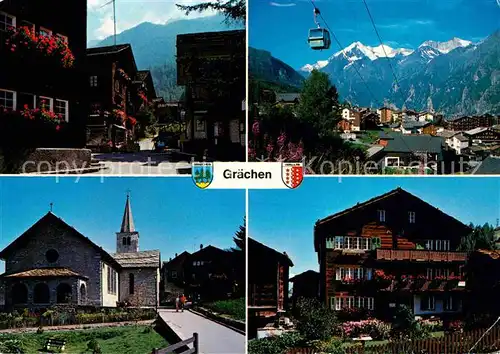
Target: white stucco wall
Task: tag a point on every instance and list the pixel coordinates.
(107, 298)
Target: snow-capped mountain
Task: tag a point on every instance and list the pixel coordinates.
(358, 51)
(446, 47)
(456, 76)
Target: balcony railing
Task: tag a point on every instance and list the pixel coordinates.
(421, 256)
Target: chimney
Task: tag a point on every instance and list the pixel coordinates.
(170, 259)
(176, 254)
(201, 246)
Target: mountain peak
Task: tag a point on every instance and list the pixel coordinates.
(446, 47)
(358, 50)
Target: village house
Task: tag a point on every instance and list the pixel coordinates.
(305, 285)
(209, 274)
(173, 277)
(482, 135)
(30, 78)
(394, 249)
(385, 115)
(52, 263)
(459, 143)
(211, 66)
(287, 99)
(409, 150)
(470, 122)
(268, 278)
(117, 92)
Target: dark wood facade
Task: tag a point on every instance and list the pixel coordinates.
(471, 122)
(115, 83)
(211, 66)
(268, 283)
(305, 285)
(393, 249)
(28, 79)
(209, 274)
(485, 135)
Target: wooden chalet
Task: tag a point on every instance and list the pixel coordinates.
(305, 285)
(118, 91)
(33, 78)
(394, 249)
(172, 276)
(486, 135)
(212, 68)
(268, 278)
(470, 122)
(209, 274)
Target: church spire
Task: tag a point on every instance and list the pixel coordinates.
(128, 220)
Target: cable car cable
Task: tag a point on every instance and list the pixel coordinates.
(385, 53)
(345, 55)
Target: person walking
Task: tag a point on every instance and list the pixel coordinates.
(177, 303)
(183, 302)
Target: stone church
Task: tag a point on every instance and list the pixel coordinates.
(52, 263)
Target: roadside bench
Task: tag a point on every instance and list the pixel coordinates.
(57, 345)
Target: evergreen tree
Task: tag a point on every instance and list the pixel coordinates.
(233, 10)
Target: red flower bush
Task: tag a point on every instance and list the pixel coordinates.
(123, 74)
(25, 39)
(143, 97)
(380, 275)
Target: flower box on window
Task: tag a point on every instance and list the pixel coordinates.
(24, 41)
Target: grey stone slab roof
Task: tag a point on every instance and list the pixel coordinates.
(489, 166)
(138, 259)
(415, 143)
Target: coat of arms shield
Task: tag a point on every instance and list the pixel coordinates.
(202, 174)
(292, 174)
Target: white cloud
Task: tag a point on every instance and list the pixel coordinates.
(132, 13)
(282, 5)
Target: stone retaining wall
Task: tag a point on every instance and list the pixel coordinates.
(57, 159)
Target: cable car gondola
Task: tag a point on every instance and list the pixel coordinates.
(319, 38)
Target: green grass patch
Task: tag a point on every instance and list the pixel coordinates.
(232, 308)
(125, 339)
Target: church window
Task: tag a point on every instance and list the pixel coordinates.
(128, 241)
(112, 285)
(124, 241)
(63, 293)
(131, 283)
(52, 256)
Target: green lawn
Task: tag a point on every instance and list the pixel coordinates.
(232, 308)
(125, 339)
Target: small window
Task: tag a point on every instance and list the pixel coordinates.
(427, 303)
(200, 125)
(339, 242)
(45, 32)
(429, 245)
(25, 100)
(429, 273)
(93, 81)
(62, 38)
(381, 215)
(174, 274)
(128, 241)
(8, 99)
(194, 264)
(45, 103)
(131, 283)
(446, 245)
(6, 21)
(411, 217)
(124, 241)
(52, 256)
(438, 245)
(61, 108)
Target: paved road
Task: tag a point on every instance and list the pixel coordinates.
(214, 338)
(140, 163)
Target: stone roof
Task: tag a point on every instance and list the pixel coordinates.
(415, 143)
(489, 166)
(287, 97)
(44, 272)
(110, 49)
(150, 259)
(475, 131)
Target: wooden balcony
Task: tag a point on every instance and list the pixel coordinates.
(421, 256)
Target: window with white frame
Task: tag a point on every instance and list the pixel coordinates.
(429, 245)
(392, 161)
(45, 32)
(450, 304)
(62, 38)
(427, 303)
(438, 245)
(61, 107)
(381, 215)
(112, 283)
(93, 81)
(340, 302)
(353, 273)
(45, 103)
(353, 243)
(8, 99)
(411, 217)
(446, 245)
(6, 21)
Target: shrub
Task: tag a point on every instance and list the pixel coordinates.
(39, 330)
(11, 346)
(331, 346)
(431, 325)
(455, 326)
(315, 321)
(275, 344)
(374, 328)
(404, 321)
(94, 347)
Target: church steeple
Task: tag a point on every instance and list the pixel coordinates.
(128, 220)
(127, 240)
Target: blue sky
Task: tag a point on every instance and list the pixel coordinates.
(130, 13)
(281, 26)
(284, 219)
(171, 214)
